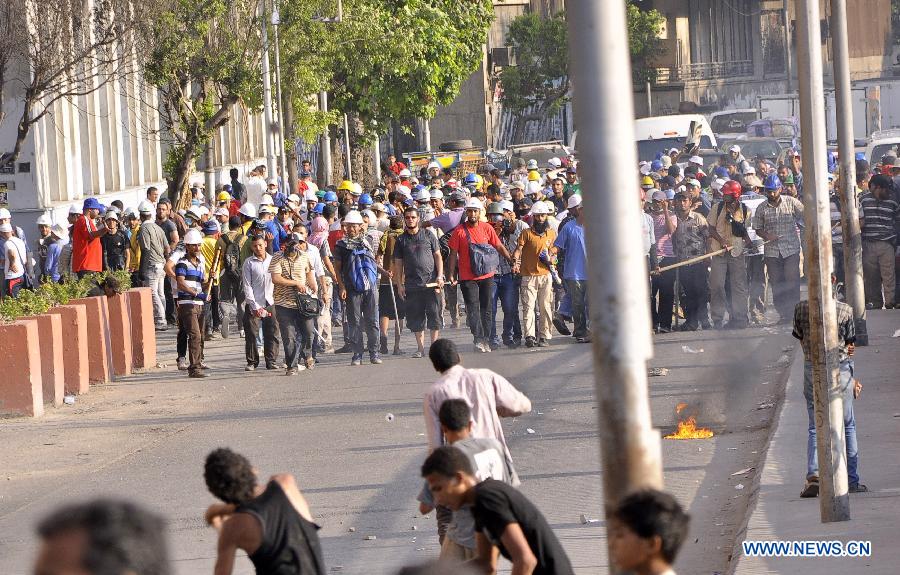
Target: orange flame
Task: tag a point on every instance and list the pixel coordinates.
(687, 429)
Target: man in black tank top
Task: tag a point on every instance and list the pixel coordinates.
(271, 523)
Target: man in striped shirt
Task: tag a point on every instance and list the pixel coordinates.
(879, 218)
(190, 298)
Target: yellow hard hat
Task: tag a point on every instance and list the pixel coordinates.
(479, 182)
(534, 176)
(346, 185)
(224, 197)
(647, 181)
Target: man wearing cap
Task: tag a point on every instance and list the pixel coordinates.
(728, 221)
(534, 255)
(213, 257)
(775, 221)
(570, 243)
(735, 155)
(292, 274)
(507, 284)
(44, 224)
(87, 249)
(700, 203)
(154, 249)
(14, 259)
(52, 259)
(116, 255)
(191, 299)
(477, 284)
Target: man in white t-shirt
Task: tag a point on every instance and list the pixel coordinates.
(255, 187)
(14, 254)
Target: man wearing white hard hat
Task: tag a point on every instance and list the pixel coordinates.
(51, 250)
(44, 224)
(507, 283)
(570, 242)
(734, 152)
(6, 218)
(116, 255)
(534, 256)
(191, 297)
(14, 259)
(153, 249)
(476, 248)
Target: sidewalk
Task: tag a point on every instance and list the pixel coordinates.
(781, 515)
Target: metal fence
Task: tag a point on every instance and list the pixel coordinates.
(704, 71)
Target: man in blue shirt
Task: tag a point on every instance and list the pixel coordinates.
(571, 242)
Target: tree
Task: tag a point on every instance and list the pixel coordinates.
(204, 57)
(52, 51)
(541, 74)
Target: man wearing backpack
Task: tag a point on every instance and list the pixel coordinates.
(728, 222)
(357, 278)
(231, 244)
(474, 246)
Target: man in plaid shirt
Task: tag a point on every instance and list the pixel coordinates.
(849, 387)
(775, 221)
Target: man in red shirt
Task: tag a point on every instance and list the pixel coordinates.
(393, 165)
(87, 251)
(477, 284)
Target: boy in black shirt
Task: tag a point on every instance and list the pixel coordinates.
(505, 520)
(646, 532)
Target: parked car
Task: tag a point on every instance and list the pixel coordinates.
(729, 124)
(882, 142)
(768, 148)
(785, 130)
(662, 133)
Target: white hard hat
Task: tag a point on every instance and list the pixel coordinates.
(352, 217)
(248, 210)
(574, 201)
(735, 148)
(554, 162)
(193, 237)
(194, 212)
(309, 196)
(718, 183)
(357, 189)
(696, 160)
(293, 199)
(74, 209)
(405, 173)
(533, 188)
(674, 151)
(433, 164)
(474, 204)
(44, 220)
(368, 214)
(507, 206)
(541, 208)
(202, 211)
(273, 181)
(266, 200)
(267, 209)
(109, 215)
(423, 196)
(404, 190)
(59, 231)
(532, 165)
(221, 212)
(436, 194)
(5, 215)
(145, 207)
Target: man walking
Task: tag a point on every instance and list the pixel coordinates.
(690, 241)
(879, 219)
(534, 255)
(775, 221)
(447, 221)
(154, 250)
(507, 283)
(259, 302)
(292, 275)
(474, 245)
(87, 250)
(662, 284)
(419, 277)
(727, 228)
(189, 279)
(571, 243)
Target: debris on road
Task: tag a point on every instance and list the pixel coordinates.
(530, 431)
(414, 528)
(658, 371)
(743, 471)
(337, 568)
(69, 400)
(352, 530)
(689, 349)
(370, 538)
(585, 521)
(389, 417)
(896, 333)
(739, 486)
(765, 405)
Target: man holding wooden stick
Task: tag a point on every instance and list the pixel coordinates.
(728, 230)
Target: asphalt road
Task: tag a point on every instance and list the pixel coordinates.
(146, 437)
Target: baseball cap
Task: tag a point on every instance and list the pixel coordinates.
(221, 212)
(573, 202)
(272, 181)
(735, 148)
(693, 182)
(696, 160)
(571, 170)
(532, 165)
(92, 204)
(721, 172)
(211, 227)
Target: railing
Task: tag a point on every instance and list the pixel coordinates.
(704, 71)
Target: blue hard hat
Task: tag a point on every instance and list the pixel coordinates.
(470, 179)
(365, 200)
(860, 155)
(772, 182)
(319, 208)
(656, 166)
(721, 172)
(210, 227)
(331, 197)
(418, 188)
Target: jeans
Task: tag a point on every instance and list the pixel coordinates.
(362, 317)
(190, 323)
(292, 325)
(506, 291)
(663, 285)
(577, 290)
(170, 288)
(845, 381)
(156, 279)
(693, 279)
(784, 274)
(451, 300)
(537, 291)
(212, 311)
(478, 295)
(271, 337)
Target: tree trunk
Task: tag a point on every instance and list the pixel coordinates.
(178, 181)
(362, 154)
(25, 123)
(290, 138)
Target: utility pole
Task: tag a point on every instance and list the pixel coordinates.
(348, 163)
(377, 151)
(617, 285)
(853, 274)
(649, 99)
(267, 94)
(325, 145)
(788, 64)
(426, 133)
(834, 499)
(286, 187)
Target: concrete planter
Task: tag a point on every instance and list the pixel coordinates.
(98, 344)
(143, 329)
(120, 334)
(50, 335)
(75, 351)
(21, 389)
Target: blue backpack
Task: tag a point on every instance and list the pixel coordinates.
(363, 272)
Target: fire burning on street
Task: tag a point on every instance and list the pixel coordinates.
(687, 427)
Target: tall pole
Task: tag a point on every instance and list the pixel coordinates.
(788, 63)
(325, 145)
(377, 151)
(267, 93)
(853, 275)
(834, 499)
(617, 275)
(348, 163)
(426, 133)
(285, 187)
(649, 100)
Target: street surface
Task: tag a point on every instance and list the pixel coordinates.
(146, 438)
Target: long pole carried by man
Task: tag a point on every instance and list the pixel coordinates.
(617, 286)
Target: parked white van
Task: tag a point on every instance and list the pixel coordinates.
(662, 133)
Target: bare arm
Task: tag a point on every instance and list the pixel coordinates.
(451, 265)
(342, 291)
(523, 559)
(280, 280)
(485, 555)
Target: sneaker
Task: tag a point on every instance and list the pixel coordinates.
(198, 374)
(858, 488)
(271, 366)
(356, 360)
(374, 359)
(585, 339)
(494, 346)
(203, 365)
(291, 371)
(662, 329)
(241, 334)
(530, 341)
(223, 328)
(301, 367)
(182, 364)
(811, 489)
(560, 325)
(481, 348)
(310, 362)
(543, 343)
(418, 354)
(516, 342)
(162, 327)
(345, 349)
(250, 367)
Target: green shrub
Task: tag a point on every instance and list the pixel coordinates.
(51, 294)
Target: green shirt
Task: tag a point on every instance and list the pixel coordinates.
(572, 189)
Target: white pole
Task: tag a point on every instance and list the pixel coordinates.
(285, 186)
(618, 275)
(377, 151)
(426, 133)
(348, 162)
(325, 146)
(267, 94)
